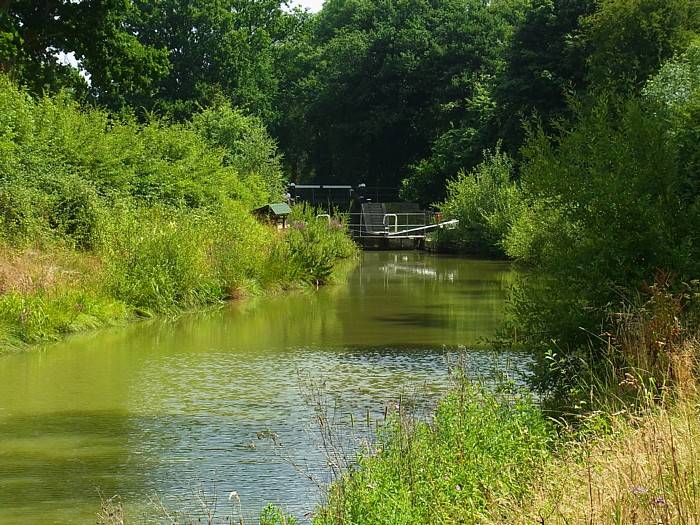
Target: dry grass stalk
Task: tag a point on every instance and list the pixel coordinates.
(647, 472)
(111, 511)
(30, 271)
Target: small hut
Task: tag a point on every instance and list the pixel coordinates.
(275, 213)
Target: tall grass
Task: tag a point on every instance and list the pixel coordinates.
(150, 260)
(646, 469)
(478, 447)
(627, 462)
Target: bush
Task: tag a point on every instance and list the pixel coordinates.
(74, 210)
(248, 147)
(605, 205)
(310, 246)
(20, 218)
(486, 203)
(241, 250)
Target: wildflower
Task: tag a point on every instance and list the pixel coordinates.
(659, 501)
(638, 491)
(458, 488)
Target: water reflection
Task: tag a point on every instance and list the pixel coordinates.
(159, 406)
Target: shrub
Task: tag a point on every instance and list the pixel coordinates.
(248, 147)
(605, 204)
(74, 210)
(311, 245)
(20, 218)
(486, 203)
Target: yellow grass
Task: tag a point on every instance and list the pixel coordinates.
(646, 471)
(29, 271)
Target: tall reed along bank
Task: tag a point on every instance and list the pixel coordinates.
(103, 219)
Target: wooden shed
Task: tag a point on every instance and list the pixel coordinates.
(275, 213)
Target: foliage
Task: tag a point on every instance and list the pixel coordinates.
(32, 33)
(162, 207)
(215, 49)
(311, 246)
(272, 515)
(383, 79)
(248, 147)
(629, 40)
(478, 448)
(485, 202)
(55, 138)
(606, 204)
(544, 63)
(676, 91)
(450, 153)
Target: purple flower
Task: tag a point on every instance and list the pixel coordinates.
(659, 501)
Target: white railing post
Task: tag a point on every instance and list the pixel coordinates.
(396, 221)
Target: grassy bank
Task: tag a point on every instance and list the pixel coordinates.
(644, 469)
(499, 458)
(479, 447)
(620, 445)
(104, 220)
(156, 262)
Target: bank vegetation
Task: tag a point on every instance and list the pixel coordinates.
(600, 205)
(103, 219)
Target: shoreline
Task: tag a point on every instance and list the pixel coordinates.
(74, 311)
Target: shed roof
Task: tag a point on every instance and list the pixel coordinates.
(279, 209)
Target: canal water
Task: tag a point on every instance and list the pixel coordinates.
(174, 407)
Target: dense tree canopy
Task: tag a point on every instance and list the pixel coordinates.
(390, 92)
(216, 47)
(387, 78)
(122, 68)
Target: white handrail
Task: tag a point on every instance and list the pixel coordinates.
(396, 221)
(447, 224)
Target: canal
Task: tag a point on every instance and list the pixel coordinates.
(171, 406)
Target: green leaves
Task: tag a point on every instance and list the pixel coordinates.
(387, 78)
(480, 447)
(629, 40)
(248, 147)
(486, 202)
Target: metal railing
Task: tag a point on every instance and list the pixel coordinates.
(385, 224)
